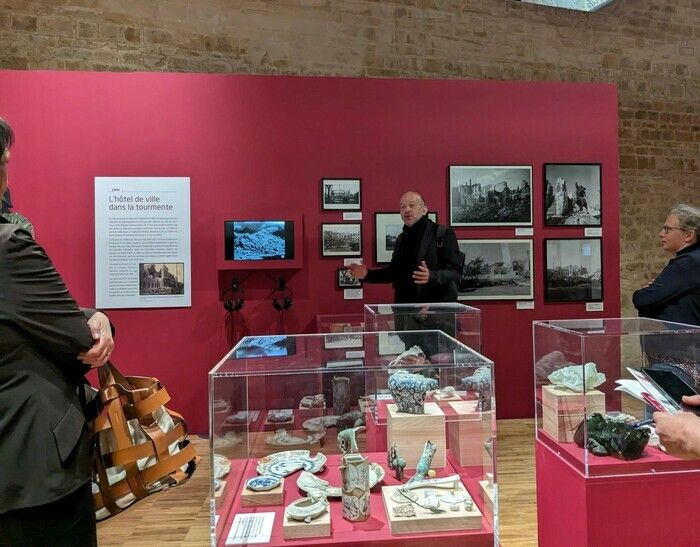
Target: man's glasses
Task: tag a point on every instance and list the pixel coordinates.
(667, 229)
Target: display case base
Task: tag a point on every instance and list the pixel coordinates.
(251, 498)
(425, 521)
(623, 510)
(297, 529)
(563, 410)
(410, 432)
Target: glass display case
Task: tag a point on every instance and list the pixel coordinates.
(597, 381)
(312, 448)
(459, 321)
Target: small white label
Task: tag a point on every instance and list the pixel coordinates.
(524, 231)
(352, 216)
(594, 306)
(352, 294)
(348, 261)
(525, 305)
(250, 528)
(593, 232)
(354, 354)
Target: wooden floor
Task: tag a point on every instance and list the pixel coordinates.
(180, 516)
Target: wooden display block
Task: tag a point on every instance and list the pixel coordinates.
(411, 431)
(320, 527)
(563, 410)
(487, 492)
(425, 521)
(466, 436)
(251, 498)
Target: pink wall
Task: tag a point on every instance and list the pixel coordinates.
(253, 143)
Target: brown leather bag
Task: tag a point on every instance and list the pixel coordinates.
(140, 446)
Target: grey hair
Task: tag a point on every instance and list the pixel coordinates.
(688, 216)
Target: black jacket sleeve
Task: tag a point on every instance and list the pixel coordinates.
(449, 262)
(386, 274)
(34, 298)
(676, 279)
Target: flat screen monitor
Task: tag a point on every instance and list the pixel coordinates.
(259, 240)
(266, 346)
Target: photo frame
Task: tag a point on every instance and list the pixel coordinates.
(387, 227)
(482, 195)
(497, 269)
(341, 194)
(573, 270)
(344, 340)
(341, 239)
(572, 194)
(345, 280)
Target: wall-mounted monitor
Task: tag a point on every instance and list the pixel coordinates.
(260, 242)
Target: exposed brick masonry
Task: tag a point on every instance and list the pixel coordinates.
(650, 49)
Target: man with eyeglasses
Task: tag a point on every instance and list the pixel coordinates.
(675, 294)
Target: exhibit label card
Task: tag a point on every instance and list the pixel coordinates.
(142, 242)
(251, 528)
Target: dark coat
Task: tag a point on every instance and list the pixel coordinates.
(675, 294)
(444, 264)
(44, 439)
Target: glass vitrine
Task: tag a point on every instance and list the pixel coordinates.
(294, 421)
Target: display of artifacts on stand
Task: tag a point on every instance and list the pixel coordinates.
(572, 194)
(496, 269)
(610, 437)
(490, 195)
(280, 417)
(242, 417)
(574, 270)
(324, 462)
(282, 437)
(355, 476)
(395, 462)
(341, 239)
(387, 228)
(309, 402)
(347, 441)
(340, 194)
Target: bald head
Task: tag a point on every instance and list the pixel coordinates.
(412, 208)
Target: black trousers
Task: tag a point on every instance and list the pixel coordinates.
(67, 522)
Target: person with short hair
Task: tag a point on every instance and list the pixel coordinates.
(47, 344)
(675, 293)
(422, 269)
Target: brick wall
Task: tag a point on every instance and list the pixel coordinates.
(649, 48)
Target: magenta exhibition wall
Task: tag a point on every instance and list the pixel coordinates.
(256, 144)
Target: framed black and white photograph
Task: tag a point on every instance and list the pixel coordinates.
(342, 340)
(341, 239)
(496, 269)
(572, 195)
(387, 227)
(490, 195)
(340, 194)
(574, 270)
(345, 279)
(161, 279)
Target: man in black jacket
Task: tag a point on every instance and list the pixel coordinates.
(423, 268)
(675, 294)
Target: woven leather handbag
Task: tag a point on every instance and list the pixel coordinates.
(140, 446)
